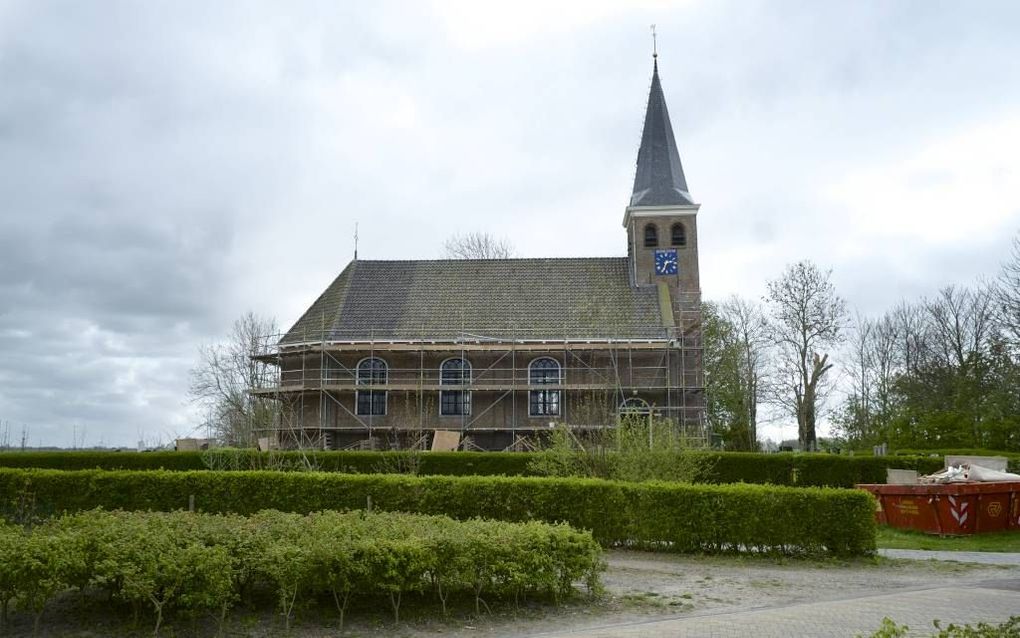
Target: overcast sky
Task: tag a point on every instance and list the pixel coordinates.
(166, 166)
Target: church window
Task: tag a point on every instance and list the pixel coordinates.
(371, 371)
(544, 371)
(678, 235)
(651, 236)
(455, 372)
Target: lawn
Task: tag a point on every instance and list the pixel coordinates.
(891, 538)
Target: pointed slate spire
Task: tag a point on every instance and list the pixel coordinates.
(659, 180)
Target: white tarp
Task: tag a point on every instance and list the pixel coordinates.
(970, 473)
(991, 462)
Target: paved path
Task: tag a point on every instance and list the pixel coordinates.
(991, 601)
(988, 558)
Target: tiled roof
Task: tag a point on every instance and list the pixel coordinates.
(659, 179)
(578, 298)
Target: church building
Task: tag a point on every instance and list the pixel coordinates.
(490, 353)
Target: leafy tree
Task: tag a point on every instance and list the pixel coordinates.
(956, 386)
(723, 388)
(807, 317)
(736, 350)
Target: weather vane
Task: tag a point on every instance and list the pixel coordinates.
(655, 50)
(355, 241)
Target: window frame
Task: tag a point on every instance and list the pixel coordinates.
(651, 240)
(544, 398)
(673, 235)
(371, 395)
(462, 397)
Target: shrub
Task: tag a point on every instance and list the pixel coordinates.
(638, 449)
(659, 515)
(187, 562)
(1008, 629)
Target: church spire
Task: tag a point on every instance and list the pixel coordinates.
(659, 180)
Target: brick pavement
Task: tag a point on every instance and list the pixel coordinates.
(991, 601)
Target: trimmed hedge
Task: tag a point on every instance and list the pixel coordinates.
(847, 471)
(204, 563)
(1012, 458)
(103, 460)
(684, 518)
(445, 463)
(803, 470)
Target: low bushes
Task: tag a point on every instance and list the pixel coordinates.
(677, 517)
(822, 470)
(190, 563)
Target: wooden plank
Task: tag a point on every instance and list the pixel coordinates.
(445, 441)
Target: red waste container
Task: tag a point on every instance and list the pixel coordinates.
(952, 508)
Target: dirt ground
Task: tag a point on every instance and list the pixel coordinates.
(639, 586)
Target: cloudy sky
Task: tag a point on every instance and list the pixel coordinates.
(166, 166)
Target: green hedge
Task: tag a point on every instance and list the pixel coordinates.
(204, 563)
(686, 518)
(89, 460)
(846, 471)
(803, 470)
(1012, 458)
(445, 463)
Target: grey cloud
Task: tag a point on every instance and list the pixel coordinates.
(164, 168)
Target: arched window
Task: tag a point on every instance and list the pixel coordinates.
(678, 235)
(371, 371)
(634, 408)
(544, 371)
(455, 372)
(635, 405)
(651, 236)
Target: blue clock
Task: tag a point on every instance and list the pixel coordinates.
(665, 262)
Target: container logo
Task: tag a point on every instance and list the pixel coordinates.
(908, 507)
(994, 509)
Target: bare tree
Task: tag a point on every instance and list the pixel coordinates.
(477, 246)
(751, 334)
(885, 336)
(961, 324)
(1007, 295)
(225, 375)
(859, 415)
(807, 316)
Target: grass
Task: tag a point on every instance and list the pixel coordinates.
(891, 538)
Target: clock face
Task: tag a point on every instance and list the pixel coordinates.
(665, 262)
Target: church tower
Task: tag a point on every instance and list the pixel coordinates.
(661, 220)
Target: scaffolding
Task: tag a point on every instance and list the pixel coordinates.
(313, 381)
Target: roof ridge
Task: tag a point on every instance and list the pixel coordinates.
(493, 259)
